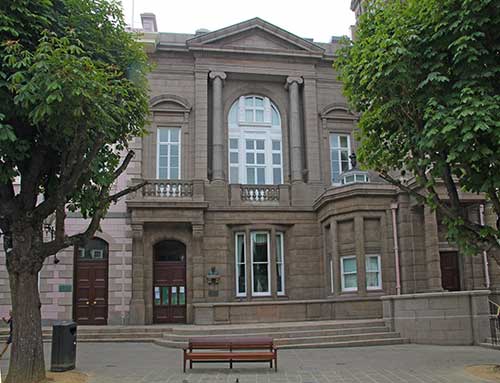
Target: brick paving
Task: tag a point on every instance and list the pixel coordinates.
(147, 363)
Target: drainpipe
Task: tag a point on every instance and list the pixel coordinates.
(394, 208)
(485, 256)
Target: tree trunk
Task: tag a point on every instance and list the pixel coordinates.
(27, 363)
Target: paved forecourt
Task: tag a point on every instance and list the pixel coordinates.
(147, 363)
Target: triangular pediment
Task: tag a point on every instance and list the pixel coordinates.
(255, 35)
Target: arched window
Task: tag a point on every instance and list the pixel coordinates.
(169, 251)
(95, 249)
(255, 143)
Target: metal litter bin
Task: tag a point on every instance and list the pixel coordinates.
(63, 346)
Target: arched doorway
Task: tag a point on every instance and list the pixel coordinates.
(169, 277)
(90, 298)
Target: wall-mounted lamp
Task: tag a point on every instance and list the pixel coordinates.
(213, 276)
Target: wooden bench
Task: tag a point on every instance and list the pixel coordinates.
(217, 349)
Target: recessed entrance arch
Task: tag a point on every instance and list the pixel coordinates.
(90, 298)
(169, 282)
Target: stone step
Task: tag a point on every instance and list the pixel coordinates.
(335, 338)
(261, 328)
(376, 341)
(352, 343)
(287, 334)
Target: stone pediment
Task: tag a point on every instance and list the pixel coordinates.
(255, 35)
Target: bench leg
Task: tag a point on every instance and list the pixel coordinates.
(271, 363)
(230, 363)
(275, 360)
(190, 364)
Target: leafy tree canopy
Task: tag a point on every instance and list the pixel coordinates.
(73, 93)
(425, 76)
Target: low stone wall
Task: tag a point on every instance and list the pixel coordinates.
(445, 318)
(287, 311)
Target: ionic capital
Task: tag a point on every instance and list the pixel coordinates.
(214, 75)
(293, 79)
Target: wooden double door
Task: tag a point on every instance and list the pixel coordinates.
(90, 303)
(450, 270)
(169, 282)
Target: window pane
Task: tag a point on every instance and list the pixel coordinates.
(260, 158)
(279, 250)
(233, 115)
(261, 175)
(233, 158)
(174, 173)
(163, 134)
(350, 281)
(250, 144)
(260, 144)
(163, 150)
(174, 135)
(234, 175)
(259, 115)
(334, 141)
(164, 295)
(240, 248)
(174, 150)
(157, 296)
(260, 280)
(174, 161)
(277, 176)
(260, 248)
(279, 277)
(249, 101)
(275, 117)
(343, 141)
(276, 159)
(259, 102)
(372, 264)
(233, 143)
(372, 280)
(276, 145)
(251, 176)
(349, 265)
(182, 295)
(163, 161)
(174, 295)
(241, 279)
(248, 115)
(360, 178)
(162, 173)
(250, 158)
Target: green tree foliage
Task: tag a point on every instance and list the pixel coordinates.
(73, 92)
(425, 76)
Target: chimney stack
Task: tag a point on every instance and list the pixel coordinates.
(149, 22)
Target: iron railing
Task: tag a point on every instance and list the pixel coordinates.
(494, 322)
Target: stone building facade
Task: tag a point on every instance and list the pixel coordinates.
(249, 214)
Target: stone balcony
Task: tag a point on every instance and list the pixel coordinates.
(259, 195)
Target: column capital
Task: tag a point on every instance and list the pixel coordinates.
(213, 75)
(198, 230)
(137, 231)
(293, 79)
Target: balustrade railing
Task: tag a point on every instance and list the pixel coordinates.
(260, 193)
(168, 189)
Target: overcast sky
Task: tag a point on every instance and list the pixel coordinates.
(317, 19)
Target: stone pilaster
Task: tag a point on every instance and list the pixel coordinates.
(292, 84)
(311, 129)
(137, 304)
(337, 289)
(432, 250)
(217, 126)
(201, 126)
(359, 230)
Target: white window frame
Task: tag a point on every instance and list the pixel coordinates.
(255, 293)
(348, 289)
(339, 149)
(169, 144)
(332, 282)
(379, 279)
(237, 263)
(241, 130)
(280, 265)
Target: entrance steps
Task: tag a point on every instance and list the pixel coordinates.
(288, 335)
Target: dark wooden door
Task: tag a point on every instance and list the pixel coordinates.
(169, 287)
(450, 271)
(91, 284)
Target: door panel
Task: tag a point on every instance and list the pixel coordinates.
(450, 271)
(169, 287)
(91, 284)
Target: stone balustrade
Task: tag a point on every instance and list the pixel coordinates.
(260, 193)
(168, 189)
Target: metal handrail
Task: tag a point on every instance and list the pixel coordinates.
(496, 305)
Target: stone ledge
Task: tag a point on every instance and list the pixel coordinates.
(443, 294)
